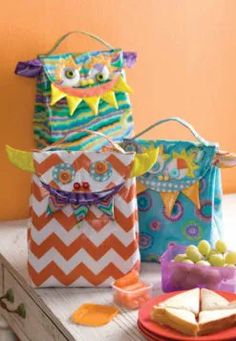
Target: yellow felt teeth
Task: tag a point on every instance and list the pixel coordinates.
(192, 193)
(93, 102)
(56, 95)
(20, 159)
(144, 162)
(73, 103)
(110, 98)
(169, 199)
(122, 86)
(140, 187)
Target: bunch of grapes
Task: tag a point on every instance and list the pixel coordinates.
(187, 277)
(203, 254)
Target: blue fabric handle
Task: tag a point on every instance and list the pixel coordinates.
(179, 120)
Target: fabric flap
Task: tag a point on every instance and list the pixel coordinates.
(77, 171)
(180, 164)
(53, 64)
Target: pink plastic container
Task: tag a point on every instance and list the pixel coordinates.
(183, 276)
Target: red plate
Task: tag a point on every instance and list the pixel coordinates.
(149, 336)
(156, 330)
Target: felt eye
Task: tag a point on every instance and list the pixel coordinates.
(100, 73)
(101, 170)
(63, 173)
(156, 168)
(174, 173)
(70, 76)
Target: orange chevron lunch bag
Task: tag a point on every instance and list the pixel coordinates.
(83, 227)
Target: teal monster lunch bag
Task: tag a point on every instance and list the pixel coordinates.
(179, 199)
(81, 90)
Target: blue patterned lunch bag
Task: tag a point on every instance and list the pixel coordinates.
(179, 199)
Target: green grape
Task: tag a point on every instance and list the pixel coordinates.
(187, 261)
(229, 265)
(180, 257)
(217, 260)
(203, 262)
(221, 246)
(190, 249)
(212, 252)
(230, 257)
(204, 247)
(194, 255)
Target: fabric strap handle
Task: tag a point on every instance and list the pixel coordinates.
(63, 140)
(91, 35)
(184, 123)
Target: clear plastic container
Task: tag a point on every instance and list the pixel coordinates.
(131, 297)
(183, 276)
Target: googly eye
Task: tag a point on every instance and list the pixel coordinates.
(70, 73)
(70, 77)
(174, 173)
(100, 73)
(63, 173)
(101, 170)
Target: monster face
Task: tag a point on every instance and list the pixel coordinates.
(88, 78)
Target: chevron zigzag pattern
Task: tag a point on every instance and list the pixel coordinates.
(99, 249)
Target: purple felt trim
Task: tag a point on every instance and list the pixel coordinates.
(81, 198)
(129, 58)
(30, 68)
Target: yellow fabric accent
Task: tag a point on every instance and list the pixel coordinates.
(73, 103)
(94, 315)
(122, 86)
(93, 103)
(20, 159)
(140, 187)
(110, 98)
(56, 95)
(169, 199)
(192, 193)
(190, 161)
(143, 162)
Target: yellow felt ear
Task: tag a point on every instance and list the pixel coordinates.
(20, 159)
(143, 162)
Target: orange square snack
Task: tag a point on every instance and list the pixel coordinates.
(131, 278)
(94, 315)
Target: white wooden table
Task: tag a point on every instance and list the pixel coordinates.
(48, 310)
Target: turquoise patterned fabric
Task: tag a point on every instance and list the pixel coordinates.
(180, 165)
